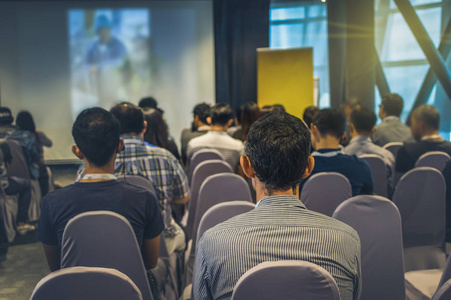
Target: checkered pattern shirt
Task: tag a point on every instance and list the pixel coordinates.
(160, 167)
(279, 228)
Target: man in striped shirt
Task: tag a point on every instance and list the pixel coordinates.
(280, 227)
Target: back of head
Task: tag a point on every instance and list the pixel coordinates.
(96, 133)
(157, 130)
(330, 121)
(363, 120)
(393, 104)
(429, 115)
(148, 102)
(278, 147)
(309, 114)
(202, 110)
(25, 121)
(221, 114)
(130, 117)
(6, 117)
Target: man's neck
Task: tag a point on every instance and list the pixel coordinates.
(140, 135)
(262, 192)
(361, 134)
(327, 142)
(92, 169)
(431, 135)
(218, 128)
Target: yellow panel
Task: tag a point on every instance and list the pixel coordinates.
(285, 76)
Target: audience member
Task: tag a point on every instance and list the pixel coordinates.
(15, 186)
(308, 114)
(217, 138)
(199, 127)
(249, 113)
(96, 134)
(25, 122)
(391, 129)
(280, 227)
(25, 139)
(327, 128)
(425, 123)
(236, 122)
(157, 164)
(350, 105)
(150, 102)
(157, 132)
(361, 128)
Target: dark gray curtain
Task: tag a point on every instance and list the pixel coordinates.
(240, 27)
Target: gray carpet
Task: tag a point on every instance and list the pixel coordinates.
(25, 262)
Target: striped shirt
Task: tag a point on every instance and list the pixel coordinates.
(279, 228)
(160, 167)
(230, 148)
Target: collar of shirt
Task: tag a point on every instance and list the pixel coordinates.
(360, 140)
(149, 144)
(280, 200)
(328, 152)
(100, 176)
(203, 128)
(390, 118)
(132, 139)
(431, 137)
(217, 132)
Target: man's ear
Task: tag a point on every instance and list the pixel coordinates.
(76, 151)
(373, 130)
(145, 127)
(209, 120)
(310, 166)
(246, 166)
(343, 136)
(229, 123)
(351, 127)
(121, 146)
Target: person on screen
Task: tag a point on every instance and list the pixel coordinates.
(108, 62)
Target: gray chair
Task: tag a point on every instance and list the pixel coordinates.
(86, 283)
(433, 159)
(380, 176)
(141, 181)
(444, 293)
(420, 198)
(286, 280)
(202, 171)
(201, 156)
(393, 147)
(323, 192)
(91, 239)
(378, 223)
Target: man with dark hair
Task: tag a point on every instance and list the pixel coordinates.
(6, 121)
(327, 129)
(425, 124)
(150, 102)
(361, 127)
(391, 129)
(280, 227)
(199, 127)
(221, 117)
(96, 134)
(157, 164)
(309, 114)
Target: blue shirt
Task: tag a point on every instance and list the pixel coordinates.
(355, 169)
(136, 204)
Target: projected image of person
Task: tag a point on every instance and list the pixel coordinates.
(107, 60)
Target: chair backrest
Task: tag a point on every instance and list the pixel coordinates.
(200, 156)
(379, 170)
(433, 159)
(140, 181)
(420, 198)
(18, 167)
(284, 280)
(222, 212)
(323, 192)
(202, 171)
(92, 239)
(393, 147)
(444, 292)
(86, 283)
(378, 223)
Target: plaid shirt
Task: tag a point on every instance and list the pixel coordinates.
(160, 167)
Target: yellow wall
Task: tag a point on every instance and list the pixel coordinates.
(285, 76)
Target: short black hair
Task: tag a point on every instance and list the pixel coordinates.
(148, 102)
(202, 110)
(363, 119)
(25, 121)
(330, 121)
(278, 147)
(96, 133)
(130, 117)
(429, 115)
(393, 104)
(309, 114)
(221, 113)
(6, 117)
